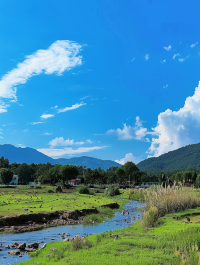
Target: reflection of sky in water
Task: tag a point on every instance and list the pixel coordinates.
(118, 221)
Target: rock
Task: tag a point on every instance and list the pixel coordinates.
(68, 234)
(7, 247)
(12, 252)
(33, 245)
(20, 255)
(14, 245)
(29, 249)
(22, 246)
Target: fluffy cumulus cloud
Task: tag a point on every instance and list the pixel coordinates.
(177, 128)
(59, 141)
(53, 152)
(61, 56)
(128, 158)
(137, 132)
(75, 106)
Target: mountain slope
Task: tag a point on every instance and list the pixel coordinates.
(30, 155)
(87, 161)
(173, 161)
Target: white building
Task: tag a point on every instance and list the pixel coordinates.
(14, 181)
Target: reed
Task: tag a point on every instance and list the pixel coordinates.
(170, 199)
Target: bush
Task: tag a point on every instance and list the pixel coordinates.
(67, 186)
(150, 217)
(50, 191)
(91, 219)
(58, 189)
(79, 243)
(112, 190)
(83, 190)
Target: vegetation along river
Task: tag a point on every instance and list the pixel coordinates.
(55, 233)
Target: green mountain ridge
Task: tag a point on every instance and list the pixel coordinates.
(187, 157)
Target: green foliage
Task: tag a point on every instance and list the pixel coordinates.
(50, 191)
(150, 217)
(112, 190)
(182, 159)
(58, 189)
(91, 219)
(83, 190)
(68, 172)
(6, 176)
(4, 162)
(197, 182)
(79, 243)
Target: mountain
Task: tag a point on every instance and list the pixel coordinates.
(30, 155)
(87, 161)
(173, 161)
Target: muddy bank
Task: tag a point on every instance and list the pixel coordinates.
(36, 221)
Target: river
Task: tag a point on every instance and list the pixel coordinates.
(46, 235)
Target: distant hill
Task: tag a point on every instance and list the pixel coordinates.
(30, 155)
(87, 161)
(173, 161)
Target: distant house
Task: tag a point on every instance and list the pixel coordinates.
(75, 182)
(14, 181)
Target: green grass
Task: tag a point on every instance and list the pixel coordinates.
(171, 242)
(12, 200)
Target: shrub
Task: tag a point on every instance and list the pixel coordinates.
(50, 191)
(91, 219)
(112, 190)
(79, 243)
(84, 190)
(58, 189)
(150, 217)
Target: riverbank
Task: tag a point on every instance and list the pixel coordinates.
(175, 240)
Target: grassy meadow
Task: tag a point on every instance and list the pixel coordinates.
(39, 199)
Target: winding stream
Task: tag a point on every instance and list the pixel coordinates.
(46, 235)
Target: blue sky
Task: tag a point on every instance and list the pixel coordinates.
(115, 80)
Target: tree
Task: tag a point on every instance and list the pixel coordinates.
(120, 175)
(55, 174)
(68, 172)
(24, 173)
(4, 162)
(6, 176)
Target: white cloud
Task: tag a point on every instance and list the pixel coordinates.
(176, 54)
(177, 128)
(48, 133)
(168, 48)
(68, 151)
(193, 45)
(55, 107)
(84, 97)
(75, 106)
(146, 57)
(89, 141)
(165, 86)
(46, 116)
(36, 122)
(133, 59)
(62, 55)
(25, 130)
(137, 132)
(163, 61)
(98, 134)
(128, 158)
(181, 60)
(59, 141)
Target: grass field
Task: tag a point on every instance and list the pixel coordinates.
(171, 242)
(13, 200)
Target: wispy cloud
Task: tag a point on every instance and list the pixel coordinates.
(163, 61)
(59, 141)
(84, 97)
(61, 56)
(46, 116)
(168, 48)
(68, 151)
(36, 122)
(98, 134)
(176, 54)
(146, 57)
(165, 86)
(47, 133)
(75, 106)
(89, 141)
(25, 130)
(55, 107)
(193, 45)
(181, 60)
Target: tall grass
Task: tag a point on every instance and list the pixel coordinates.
(170, 199)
